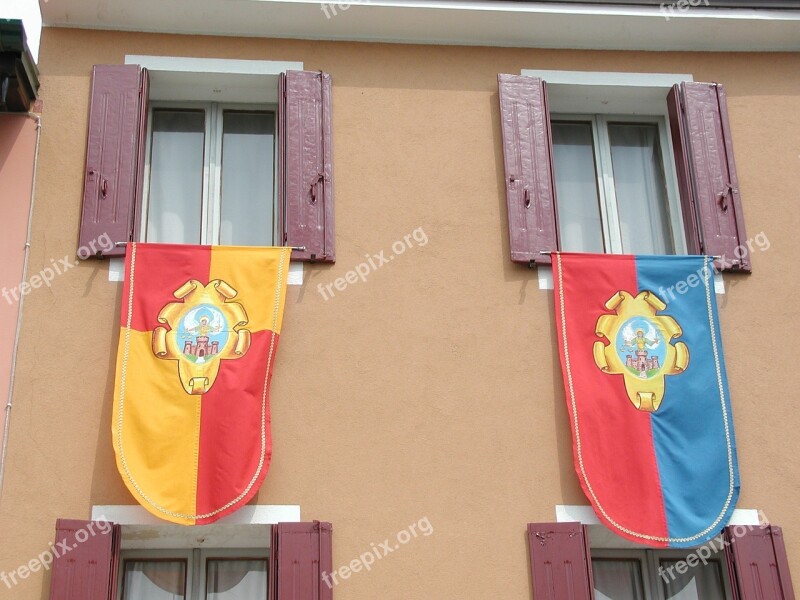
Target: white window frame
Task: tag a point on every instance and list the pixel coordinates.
(211, 201)
(606, 189)
(649, 560)
(196, 564)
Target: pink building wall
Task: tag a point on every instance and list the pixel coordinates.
(17, 151)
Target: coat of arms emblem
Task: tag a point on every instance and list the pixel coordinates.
(640, 348)
(203, 330)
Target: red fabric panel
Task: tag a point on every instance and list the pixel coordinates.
(230, 431)
(561, 566)
(306, 178)
(155, 285)
(528, 152)
(86, 565)
(629, 489)
(112, 156)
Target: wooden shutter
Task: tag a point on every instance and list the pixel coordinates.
(299, 555)
(306, 168)
(528, 153)
(707, 177)
(117, 118)
(757, 563)
(561, 564)
(87, 559)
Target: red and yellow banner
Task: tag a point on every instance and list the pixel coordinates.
(199, 328)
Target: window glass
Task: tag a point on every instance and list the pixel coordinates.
(176, 176)
(702, 582)
(248, 155)
(236, 579)
(154, 580)
(579, 224)
(617, 579)
(640, 188)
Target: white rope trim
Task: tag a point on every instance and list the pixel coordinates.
(264, 398)
(576, 426)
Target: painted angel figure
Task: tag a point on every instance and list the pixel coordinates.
(637, 341)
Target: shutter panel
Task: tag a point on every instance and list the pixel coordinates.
(709, 184)
(117, 117)
(306, 173)
(300, 554)
(560, 561)
(528, 152)
(89, 569)
(760, 566)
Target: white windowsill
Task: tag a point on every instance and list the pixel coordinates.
(116, 271)
(248, 527)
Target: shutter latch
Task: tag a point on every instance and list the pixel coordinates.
(723, 197)
(319, 179)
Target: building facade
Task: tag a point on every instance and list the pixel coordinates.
(417, 401)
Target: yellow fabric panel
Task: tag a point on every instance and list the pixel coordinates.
(242, 266)
(160, 431)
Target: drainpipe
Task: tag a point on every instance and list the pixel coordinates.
(7, 418)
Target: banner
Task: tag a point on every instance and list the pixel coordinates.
(647, 394)
(199, 328)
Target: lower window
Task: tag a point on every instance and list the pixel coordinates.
(200, 574)
(657, 575)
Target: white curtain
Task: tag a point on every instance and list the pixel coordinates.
(236, 579)
(176, 176)
(640, 186)
(703, 582)
(248, 159)
(617, 579)
(580, 228)
(155, 580)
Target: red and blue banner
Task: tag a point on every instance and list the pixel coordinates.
(647, 394)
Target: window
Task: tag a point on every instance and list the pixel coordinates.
(210, 151)
(198, 574)
(614, 194)
(210, 175)
(283, 560)
(748, 562)
(649, 169)
(654, 575)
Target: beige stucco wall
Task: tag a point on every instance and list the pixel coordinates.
(433, 389)
(17, 151)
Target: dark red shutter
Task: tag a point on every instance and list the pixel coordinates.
(758, 564)
(88, 569)
(117, 116)
(560, 561)
(306, 173)
(709, 185)
(528, 153)
(299, 555)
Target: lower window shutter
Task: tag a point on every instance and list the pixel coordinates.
(301, 560)
(86, 559)
(528, 158)
(757, 563)
(709, 185)
(561, 564)
(112, 181)
(306, 167)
